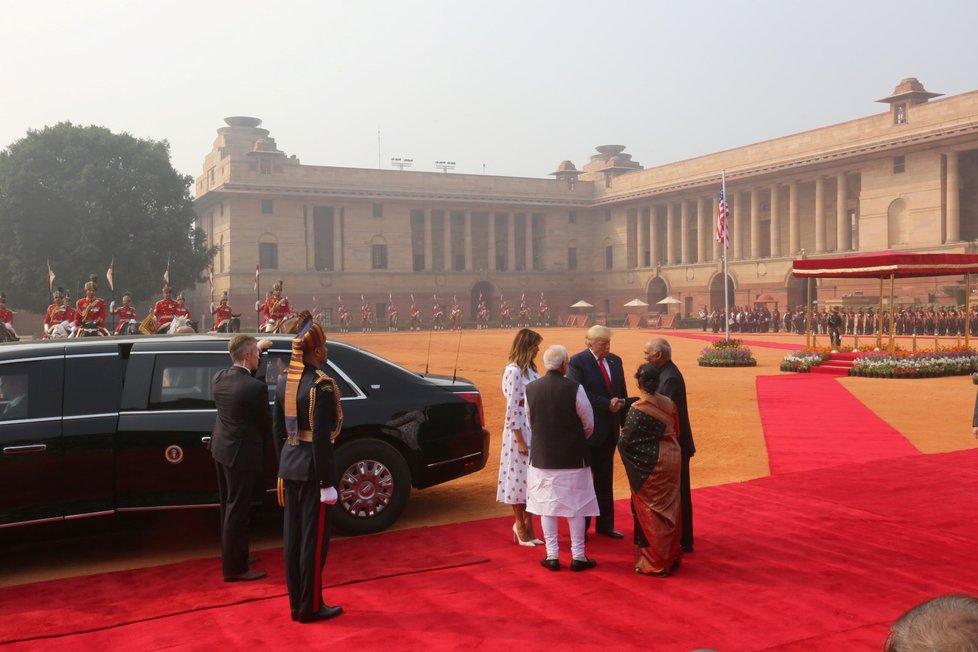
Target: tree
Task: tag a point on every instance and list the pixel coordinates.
(81, 197)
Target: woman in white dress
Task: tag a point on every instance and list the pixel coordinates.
(514, 458)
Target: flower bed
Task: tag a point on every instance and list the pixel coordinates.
(727, 353)
(803, 361)
(954, 361)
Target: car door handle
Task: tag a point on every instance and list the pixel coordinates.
(205, 440)
(20, 450)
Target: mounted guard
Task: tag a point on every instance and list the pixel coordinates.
(163, 313)
(416, 316)
(126, 314)
(59, 317)
(90, 312)
(276, 310)
(225, 321)
(7, 332)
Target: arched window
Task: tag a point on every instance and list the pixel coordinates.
(898, 223)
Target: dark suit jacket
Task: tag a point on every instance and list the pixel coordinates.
(244, 420)
(672, 384)
(583, 368)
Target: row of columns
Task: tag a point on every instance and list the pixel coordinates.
(469, 242)
(681, 245)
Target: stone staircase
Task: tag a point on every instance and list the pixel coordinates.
(838, 364)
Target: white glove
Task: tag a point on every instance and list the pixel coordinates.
(212, 307)
(257, 306)
(66, 324)
(328, 495)
(112, 307)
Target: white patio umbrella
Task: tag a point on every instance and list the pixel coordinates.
(636, 303)
(668, 301)
(582, 304)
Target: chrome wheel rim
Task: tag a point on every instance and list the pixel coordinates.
(366, 488)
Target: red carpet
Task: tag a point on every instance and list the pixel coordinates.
(811, 422)
(816, 560)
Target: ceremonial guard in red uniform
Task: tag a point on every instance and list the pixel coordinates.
(391, 315)
(164, 310)
(482, 315)
(91, 308)
(438, 316)
(307, 416)
(221, 313)
(277, 309)
(59, 312)
(523, 316)
(6, 316)
(181, 309)
(124, 313)
(366, 316)
(505, 319)
(416, 316)
(344, 316)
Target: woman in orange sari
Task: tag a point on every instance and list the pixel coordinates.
(652, 460)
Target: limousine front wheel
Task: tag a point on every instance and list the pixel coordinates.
(373, 486)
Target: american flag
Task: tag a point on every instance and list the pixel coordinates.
(723, 217)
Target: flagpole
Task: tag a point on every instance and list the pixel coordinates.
(726, 279)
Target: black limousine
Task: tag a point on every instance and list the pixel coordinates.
(91, 427)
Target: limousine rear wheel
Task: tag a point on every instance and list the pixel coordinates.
(373, 486)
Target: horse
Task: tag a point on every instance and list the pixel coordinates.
(230, 325)
(129, 327)
(345, 321)
(392, 321)
(438, 319)
(482, 319)
(7, 335)
(367, 321)
(289, 325)
(505, 318)
(89, 329)
(456, 319)
(416, 319)
(523, 317)
(543, 317)
(179, 325)
(57, 332)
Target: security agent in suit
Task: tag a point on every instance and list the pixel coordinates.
(671, 384)
(244, 424)
(606, 392)
(307, 415)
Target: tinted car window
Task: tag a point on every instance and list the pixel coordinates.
(274, 369)
(94, 384)
(184, 382)
(30, 390)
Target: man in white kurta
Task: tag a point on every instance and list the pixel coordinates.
(559, 478)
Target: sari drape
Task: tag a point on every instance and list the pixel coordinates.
(652, 460)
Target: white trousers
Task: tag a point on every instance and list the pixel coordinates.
(576, 524)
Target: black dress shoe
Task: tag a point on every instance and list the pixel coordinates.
(614, 534)
(325, 613)
(246, 577)
(583, 564)
(295, 616)
(254, 559)
(550, 564)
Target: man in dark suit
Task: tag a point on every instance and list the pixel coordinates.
(307, 416)
(244, 423)
(13, 388)
(671, 384)
(601, 374)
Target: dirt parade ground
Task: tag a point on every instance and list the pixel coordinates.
(933, 414)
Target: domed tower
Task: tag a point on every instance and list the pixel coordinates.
(567, 173)
(609, 162)
(906, 94)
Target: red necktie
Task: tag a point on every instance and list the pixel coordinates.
(604, 372)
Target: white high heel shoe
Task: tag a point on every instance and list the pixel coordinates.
(517, 539)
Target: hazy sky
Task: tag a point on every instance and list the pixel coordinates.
(516, 86)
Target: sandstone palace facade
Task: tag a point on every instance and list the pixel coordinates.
(611, 231)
